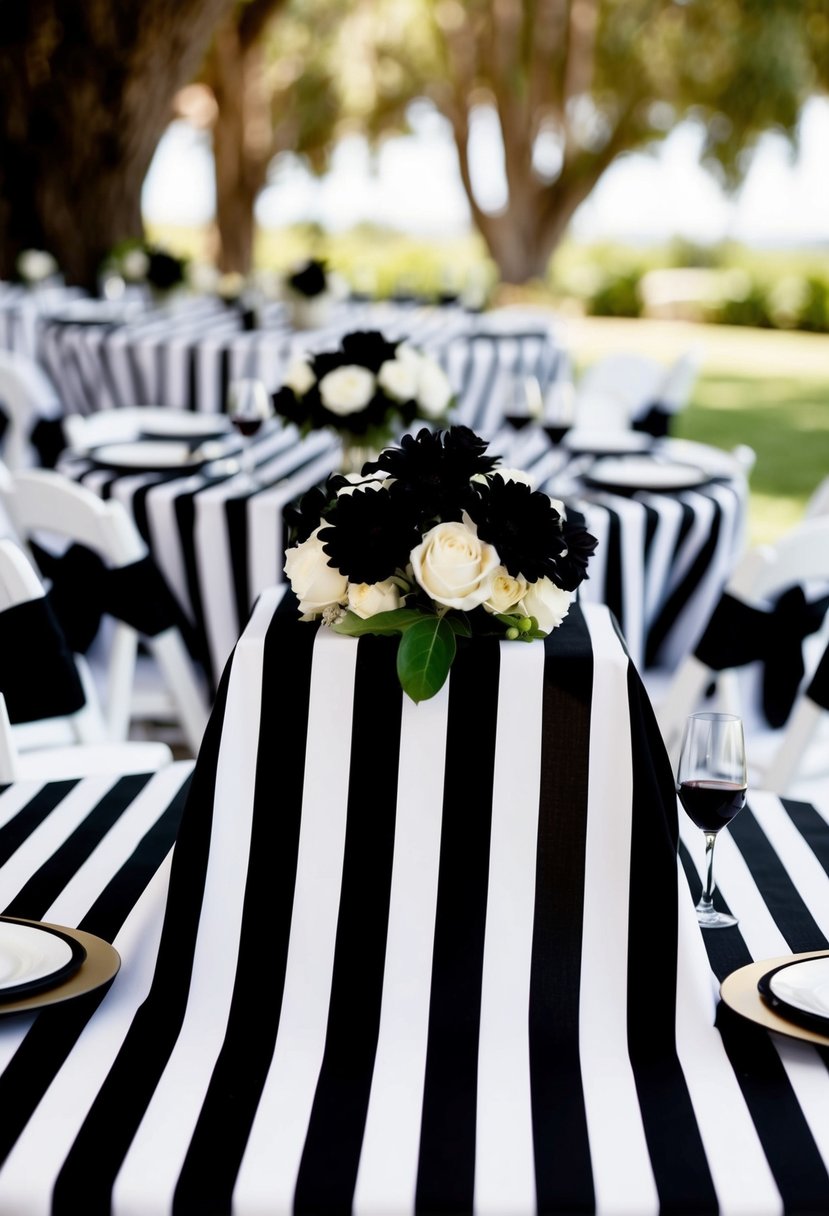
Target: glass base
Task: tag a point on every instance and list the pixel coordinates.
(710, 918)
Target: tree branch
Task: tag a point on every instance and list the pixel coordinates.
(253, 19)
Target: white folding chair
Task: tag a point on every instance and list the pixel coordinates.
(46, 502)
(809, 713)
(800, 557)
(616, 389)
(28, 395)
(818, 503)
(34, 650)
(675, 390)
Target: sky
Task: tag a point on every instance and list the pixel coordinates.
(412, 184)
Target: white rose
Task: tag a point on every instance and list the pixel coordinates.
(548, 603)
(454, 566)
(347, 390)
(230, 285)
(367, 599)
(201, 276)
(371, 481)
(316, 584)
(434, 390)
(299, 377)
(35, 265)
(508, 474)
(505, 591)
(399, 378)
(135, 264)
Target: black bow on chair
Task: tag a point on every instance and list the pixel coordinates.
(656, 421)
(84, 589)
(738, 634)
(818, 690)
(38, 676)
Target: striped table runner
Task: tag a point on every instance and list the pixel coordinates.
(413, 959)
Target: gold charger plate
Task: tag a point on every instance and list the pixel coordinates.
(739, 992)
(100, 965)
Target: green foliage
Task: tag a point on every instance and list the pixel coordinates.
(424, 657)
(617, 295)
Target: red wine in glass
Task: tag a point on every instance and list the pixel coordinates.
(712, 804)
(246, 426)
(711, 784)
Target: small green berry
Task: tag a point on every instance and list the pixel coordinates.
(512, 633)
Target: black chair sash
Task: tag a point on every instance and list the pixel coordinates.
(84, 589)
(739, 633)
(38, 676)
(48, 438)
(818, 689)
(656, 421)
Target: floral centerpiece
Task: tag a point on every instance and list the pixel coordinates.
(139, 263)
(365, 390)
(308, 290)
(435, 541)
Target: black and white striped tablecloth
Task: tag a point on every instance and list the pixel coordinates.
(186, 356)
(661, 563)
(436, 958)
(22, 310)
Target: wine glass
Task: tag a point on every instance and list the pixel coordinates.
(559, 409)
(249, 406)
(526, 403)
(711, 783)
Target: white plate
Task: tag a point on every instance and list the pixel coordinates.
(643, 473)
(804, 986)
(583, 439)
(148, 454)
(29, 955)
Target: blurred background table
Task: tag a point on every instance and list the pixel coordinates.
(186, 355)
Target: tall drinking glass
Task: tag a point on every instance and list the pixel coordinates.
(249, 406)
(711, 783)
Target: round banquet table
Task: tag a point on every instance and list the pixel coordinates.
(661, 563)
(186, 354)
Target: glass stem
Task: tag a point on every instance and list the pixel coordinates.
(706, 903)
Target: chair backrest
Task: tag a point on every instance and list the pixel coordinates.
(617, 388)
(40, 680)
(43, 501)
(40, 500)
(818, 503)
(675, 391)
(800, 556)
(26, 394)
(811, 707)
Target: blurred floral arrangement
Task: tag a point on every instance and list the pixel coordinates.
(435, 541)
(137, 262)
(35, 266)
(365, 390)
(309, 290)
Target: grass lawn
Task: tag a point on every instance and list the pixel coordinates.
(769, 389)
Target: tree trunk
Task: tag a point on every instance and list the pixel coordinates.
(86, 89)
(243, 128)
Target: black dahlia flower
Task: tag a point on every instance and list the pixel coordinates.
(521, 523)
(369, 534)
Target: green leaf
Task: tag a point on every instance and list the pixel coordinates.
(424, 657)
(459, 624)
(396, 621)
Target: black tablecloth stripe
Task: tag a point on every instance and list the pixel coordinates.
(96, 1156)
(48, 881)
(31, 816)
(613, 588)
(56, 1030)
(331, 1156)
(185, 510)
(676, 601)
(677, 1153)
(793, 1156)
(446, 1166)
(812, 827)
(236, 514)
(780, 894)
(564, 1179)
(220, 1135)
